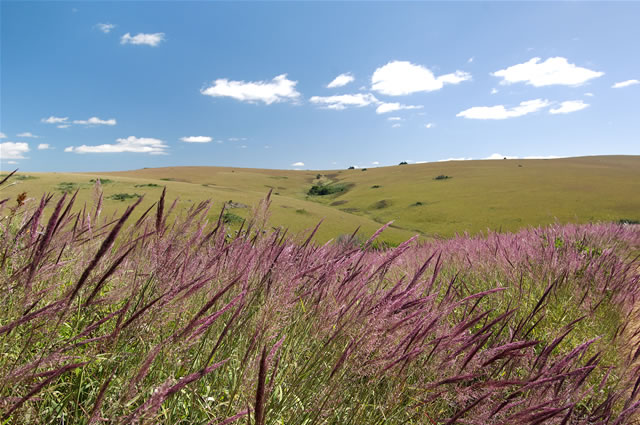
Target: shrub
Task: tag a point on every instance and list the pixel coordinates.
(441, 177)
(403, 163)
(364, 169)
(351, 168)
(67, 187)
(230, 218)
(102, 181)
(381, 204)
(123, 196)
(150, 185)
(322, 189)
(376, 186)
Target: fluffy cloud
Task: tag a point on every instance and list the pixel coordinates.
(96, 121)
(500, 156)
(499, 112)
(402, 77)
(394, 119)
(63, 125)
(54, 120)
(385, 108)
(143, 39)
(342, 101)
(298, 164)
(12, 150)
(2, 135)
(341, 80)
(105, 28)
(27, 134)
(396, 125)
(43, 146)
(277, 90)
(375, 163)
(196, 139)
(569, 106)
(455, 159)
(130, 144)
(429, 125)
(627, 83)
(553, 71)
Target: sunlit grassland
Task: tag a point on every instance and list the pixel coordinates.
(500, 195)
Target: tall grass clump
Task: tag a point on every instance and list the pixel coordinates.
(148, 317)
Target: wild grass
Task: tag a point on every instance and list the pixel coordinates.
(166, 319)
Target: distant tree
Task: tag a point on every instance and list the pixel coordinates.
(403, 163)
(351, 168)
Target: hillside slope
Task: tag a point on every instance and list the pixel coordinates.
(475, 196)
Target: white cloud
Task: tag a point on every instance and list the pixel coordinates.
(341, 80)
(130, 144)
(96, 121)
(54, 120)
(569, 106)
(236, 139)
(12, 162)
(384, 108)
(470, 60)
(429, 125)
(500, 156)
(553, 71)
(143, 39)
(396, 125)
(455, 159)
(627, 83)
(277, 90)
(43, 146)
(2, 135)
(27, 134)
(494, 91)
(342, 101)
(402, 77)
(105, 28)
(589, 94)
(196, 139)
(375, 163)
(298, 164)
(63, 125)
(499, 112)
(394, 119)
(12, 150)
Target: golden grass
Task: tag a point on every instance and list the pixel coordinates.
(499, 195)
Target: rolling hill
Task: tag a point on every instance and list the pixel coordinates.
(431, 199)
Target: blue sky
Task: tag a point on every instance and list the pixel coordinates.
(98, 86)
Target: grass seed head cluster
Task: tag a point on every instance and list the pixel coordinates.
(173, 319)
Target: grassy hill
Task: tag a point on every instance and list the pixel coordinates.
(430, 199)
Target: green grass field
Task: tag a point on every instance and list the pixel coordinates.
(478, 195)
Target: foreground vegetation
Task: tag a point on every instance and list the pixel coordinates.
(185, 322)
